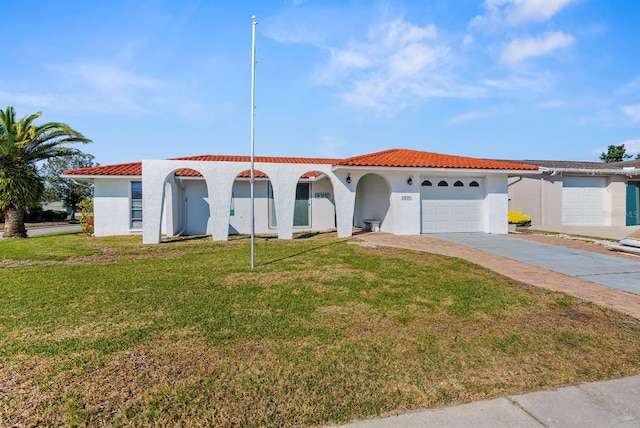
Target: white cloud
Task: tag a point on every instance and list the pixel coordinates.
(633, 111)
(632, 146)
(95, 87)
(518, 83)
(396, 63)
(500, 13)
(522, 48)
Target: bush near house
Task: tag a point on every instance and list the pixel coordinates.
(86, 218)
(519, 219)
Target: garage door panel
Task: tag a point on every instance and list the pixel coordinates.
(452, 209)
(583, 201)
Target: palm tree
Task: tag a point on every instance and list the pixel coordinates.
(22, 145)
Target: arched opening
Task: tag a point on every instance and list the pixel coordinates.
(240, 207)
(185, 210)
(314, 207)
(373, 200)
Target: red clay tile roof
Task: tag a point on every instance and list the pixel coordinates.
(132, 168)
(403, 158)
(135, 168)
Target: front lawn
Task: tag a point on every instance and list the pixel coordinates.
(97, 331)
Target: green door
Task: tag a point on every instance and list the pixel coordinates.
(301, 210)
(633, 203)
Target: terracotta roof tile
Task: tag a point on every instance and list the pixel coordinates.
(400, 158)
(403, 158)
(132, 168)
(135, 168)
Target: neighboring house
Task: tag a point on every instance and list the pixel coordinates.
(409, 192)
(578, 193)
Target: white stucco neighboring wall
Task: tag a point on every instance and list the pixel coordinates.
(113, 207)
(616, 201)
(541, 198)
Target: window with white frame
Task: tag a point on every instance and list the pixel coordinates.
(136, 205)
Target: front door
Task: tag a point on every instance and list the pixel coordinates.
(301, 211)
(633, 203)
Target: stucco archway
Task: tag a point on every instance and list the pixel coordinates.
(315, 206)
(373, 201)
(240, 205)
(185, 207)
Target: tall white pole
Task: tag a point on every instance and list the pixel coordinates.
(254, 22)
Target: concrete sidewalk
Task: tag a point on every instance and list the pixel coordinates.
(600, 404)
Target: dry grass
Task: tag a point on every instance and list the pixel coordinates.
(184, 334)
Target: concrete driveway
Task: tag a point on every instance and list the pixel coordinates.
(610, 271)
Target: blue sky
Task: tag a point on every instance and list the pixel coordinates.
(508, 79)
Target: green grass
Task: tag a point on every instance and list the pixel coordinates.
(109, 331)
(45, 247)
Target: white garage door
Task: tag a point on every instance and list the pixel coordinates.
(452, 205)
(583, 200)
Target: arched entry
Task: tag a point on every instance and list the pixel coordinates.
(373, 200)
(185, 208)
(240, 207)
(314, 207)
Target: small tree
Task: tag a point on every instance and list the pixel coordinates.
(615, 154)
(66, 190)
(22, 145)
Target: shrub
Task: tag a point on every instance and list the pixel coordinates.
(519, 219)
(86, 218)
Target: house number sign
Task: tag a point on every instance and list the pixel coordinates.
(322, 195)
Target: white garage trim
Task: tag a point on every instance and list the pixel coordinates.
(452, 204)
(583, 201)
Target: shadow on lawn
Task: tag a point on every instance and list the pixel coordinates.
(299, 253)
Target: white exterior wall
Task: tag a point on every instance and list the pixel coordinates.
(405, 202)
(496, 204)
(323, 209)
(240, 222)
(112, 206)
(209, 199)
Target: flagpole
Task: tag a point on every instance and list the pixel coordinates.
(254, 22)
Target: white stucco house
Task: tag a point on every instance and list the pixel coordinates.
(408, 192)
(578, 193)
